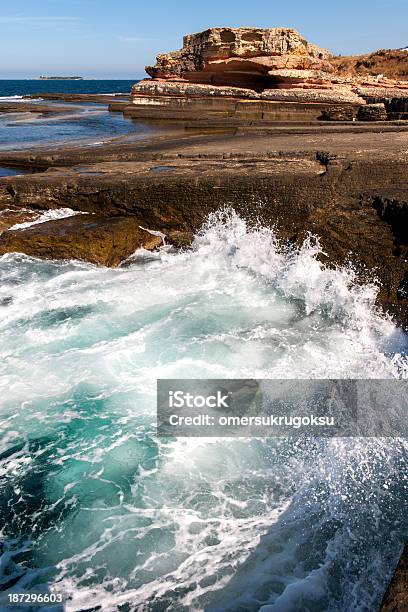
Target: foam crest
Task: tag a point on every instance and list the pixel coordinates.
(48, 215)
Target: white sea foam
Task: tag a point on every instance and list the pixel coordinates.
(48, 215)
(194, 523)
(19, 99)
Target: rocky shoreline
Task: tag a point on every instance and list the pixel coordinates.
(258, 75)
(348, 188)
(258, 120)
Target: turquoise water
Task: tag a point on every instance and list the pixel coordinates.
(95, 506)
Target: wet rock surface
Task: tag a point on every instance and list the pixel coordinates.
(97, 239)
(13, 216)
(348, 188)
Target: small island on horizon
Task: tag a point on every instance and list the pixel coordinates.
(60, 78)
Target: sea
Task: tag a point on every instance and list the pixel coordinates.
(82, 123)
(95, 507)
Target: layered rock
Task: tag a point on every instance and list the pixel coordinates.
(269, 65)
(162, 89)
(395, 99)
(372, 112)
(240, 56)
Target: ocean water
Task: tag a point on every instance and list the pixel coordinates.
(27, 87)
(82, 123)
(93, 505)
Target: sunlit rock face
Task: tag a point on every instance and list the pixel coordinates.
(262, 68)
(241, 57)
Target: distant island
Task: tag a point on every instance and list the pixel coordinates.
(61, 78)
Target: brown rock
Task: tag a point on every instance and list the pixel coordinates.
(392, 63)
(263, 64)
(255, 63)
(101, 240)
(346, 184)
(180, 239)
(396, 596)
(12, 216)
(339, 113)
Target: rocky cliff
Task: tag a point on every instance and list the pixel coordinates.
(265, 66)
(243, 57)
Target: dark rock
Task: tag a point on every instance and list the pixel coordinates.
(372, 112)
(339, 113)
(180, 239)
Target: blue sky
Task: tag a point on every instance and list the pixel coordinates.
(117, 38)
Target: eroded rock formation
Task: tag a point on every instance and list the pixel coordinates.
(268, 65)
(243, 57)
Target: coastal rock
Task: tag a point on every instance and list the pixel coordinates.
(227, 50)
(241, 57)
(100, 240)
(170, 88)
(371, 93)
(13, 216)
(339, 113)
(313, 95)
(263, 64)
(395, 100)
(259, 64)
(296, 76)
(396, 596)
(344, 183)
(146, 88)
(180, 239)
(372, 112)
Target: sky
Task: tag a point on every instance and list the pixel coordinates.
(117, 38)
